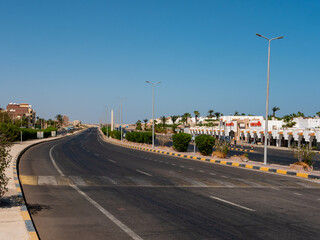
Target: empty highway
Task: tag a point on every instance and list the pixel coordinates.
(81, 187)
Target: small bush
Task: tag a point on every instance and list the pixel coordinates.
(222, 147)
(205, 144)
(304, 155)
(163, 139)
(181, 141)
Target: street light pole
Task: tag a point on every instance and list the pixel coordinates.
(121, 116)
(153, 84)
(107, 122)
(267, 99)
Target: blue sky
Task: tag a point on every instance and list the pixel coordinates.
(78, 57)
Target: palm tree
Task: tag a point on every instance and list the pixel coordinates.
(217, 114)
(300, 114)
(59, 118)
(196, 115)
(145, 123)
(274, 109)
(210, 113)
(186, 116)
(174, 118)
(236, 113)
(318, 113)
(163, 120)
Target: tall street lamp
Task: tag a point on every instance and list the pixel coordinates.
(153, 84)
(121, 117)
(107, 135)
(267, 101)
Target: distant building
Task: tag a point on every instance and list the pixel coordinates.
(76, 123)
(251, 129)
(65, 121)
(17, 111)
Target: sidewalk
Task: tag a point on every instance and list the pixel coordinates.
(259, 166)
(15, 221)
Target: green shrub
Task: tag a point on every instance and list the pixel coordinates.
(116, 134)
(181, 141)
(10, 131)
(139, 137)
(205, 144)
(104, 130)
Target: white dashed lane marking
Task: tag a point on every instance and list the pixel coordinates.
(231, 203)
(148, 174)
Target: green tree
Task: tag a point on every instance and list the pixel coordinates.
(6, 138)
(185, 117)
(145, 123)
(138, 125)
(217, 114)
(59, 118)
(196, 115)
(210, 112)
(318, 113)
(274, 109)
(300, 114)
(236, 113)
(174, 118)
(163, 120)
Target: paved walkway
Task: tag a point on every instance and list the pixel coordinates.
(15, 221)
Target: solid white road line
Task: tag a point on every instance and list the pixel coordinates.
(231, 203)
(144, 173)
(132, 234)
(127, 230)
(54, 162)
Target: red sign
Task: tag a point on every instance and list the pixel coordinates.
(256, 124)
(230, 124)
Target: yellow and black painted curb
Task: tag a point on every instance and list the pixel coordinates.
(228, 163)
(33, 235)
(242, 150)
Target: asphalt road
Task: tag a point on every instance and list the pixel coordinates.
(83, 188)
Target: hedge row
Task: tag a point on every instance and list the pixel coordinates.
(139, 137)
(13, 132)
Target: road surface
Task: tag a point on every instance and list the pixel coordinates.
(83, 188)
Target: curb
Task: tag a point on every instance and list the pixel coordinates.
(24, 212)
(242, 150)
(33, 235)
(241, 165)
